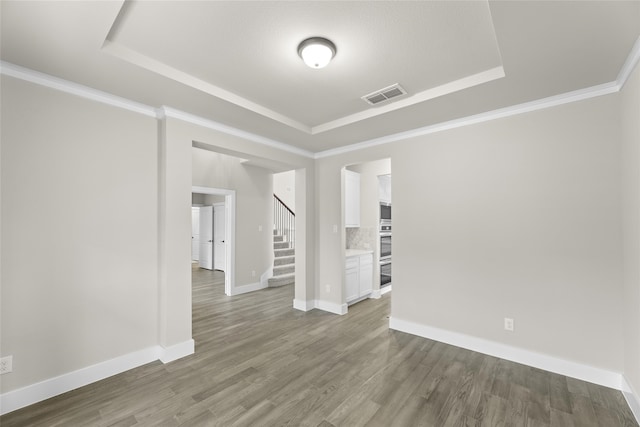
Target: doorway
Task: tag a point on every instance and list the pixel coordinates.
(216, 233)
(368, 229)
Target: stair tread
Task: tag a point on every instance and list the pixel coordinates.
(284, 252)
(282, 276)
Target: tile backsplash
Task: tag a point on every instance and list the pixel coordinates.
(361, 238)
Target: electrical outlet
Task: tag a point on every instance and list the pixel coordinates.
(335, 228)
(253, 273)
(508, 324)
(259, 228)
(328, 288)
(6, 365)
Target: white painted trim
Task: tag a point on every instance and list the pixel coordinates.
(514, 354)
(187, 79)
(26, 74)
(210, 124)
(37, 392)
(564, 98)
(331, 307)
(46, 80)
(264, 278)
(25, 396)
(629, 64)
(177, 351)
(239, 290)
(632, 398)
(86, 92)
(230, 233)
(155, 66)
(304, 305)
(385, 290)
(375, 294)
(435, 92)
(526, 107)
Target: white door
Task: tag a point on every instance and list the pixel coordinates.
(195, 233)
(205, 258)
(219, 245)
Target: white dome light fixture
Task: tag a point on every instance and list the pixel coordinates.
(316, 52)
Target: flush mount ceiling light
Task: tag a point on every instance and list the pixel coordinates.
(316, 52)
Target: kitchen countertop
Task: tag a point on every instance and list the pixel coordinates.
(356, 252)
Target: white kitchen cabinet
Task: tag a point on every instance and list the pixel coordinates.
(384, 188)
(351, 199)
(352, 279)
(358, 277)
(366, 274)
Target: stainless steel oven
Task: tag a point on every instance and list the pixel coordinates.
(385, 213)
(385, 253)
(385, 273)
(385, 245)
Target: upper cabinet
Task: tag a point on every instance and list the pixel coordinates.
(351, 199)
(384, 188)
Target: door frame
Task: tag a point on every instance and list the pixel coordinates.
(219, 205)
(205, 262)
(230, 233)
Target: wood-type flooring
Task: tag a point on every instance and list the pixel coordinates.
(258, 362)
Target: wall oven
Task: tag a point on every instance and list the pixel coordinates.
(385, 246)
(385, 213)
(385, 253)
(385, 273)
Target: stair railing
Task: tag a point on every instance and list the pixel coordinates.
(284, 221)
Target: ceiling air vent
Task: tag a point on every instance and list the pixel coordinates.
(385, 94)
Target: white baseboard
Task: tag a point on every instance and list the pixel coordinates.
(239, 290)
(375, 294)
(385, 289)
(632, 398)
(331, 307)
(25, 396)
(304, 305)
(264, 278)
(515, 354)
(178, 351)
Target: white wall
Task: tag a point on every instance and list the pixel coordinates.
(284, 186)
(79, 261)
(517, 217)
(254, 208)
(183, 134)
(630, 112)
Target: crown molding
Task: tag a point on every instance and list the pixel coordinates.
(435, 92)
(155, 66)
(526, 107)
(213, 125)
(26, 74)
(629, 64)
(52, 82)
(578, 95)
(62, 85)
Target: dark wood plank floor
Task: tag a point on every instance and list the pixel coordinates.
(258, 362)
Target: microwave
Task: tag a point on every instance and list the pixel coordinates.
(385, 212)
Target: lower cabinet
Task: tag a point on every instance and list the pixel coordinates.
(358, 277)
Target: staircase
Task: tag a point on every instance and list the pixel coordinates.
(284, 238)
(283, 262)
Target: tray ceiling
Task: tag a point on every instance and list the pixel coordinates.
(236, 63)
